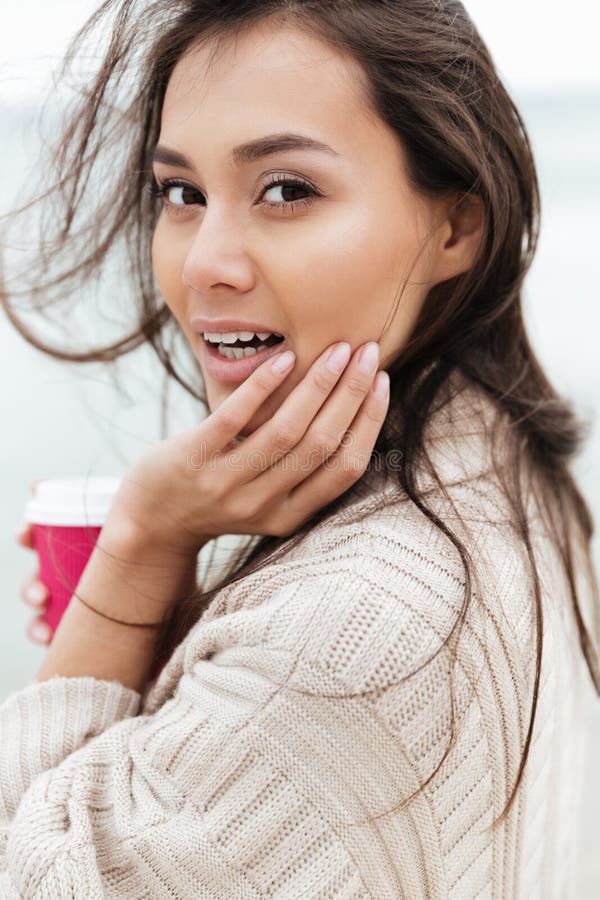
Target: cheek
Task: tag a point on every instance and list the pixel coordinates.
(345, 272)
(374, 277)
(167, 266)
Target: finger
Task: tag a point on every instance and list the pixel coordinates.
(24, 536)
(287, 427)
(222, 426)
(348, 464)
(327, 428)
(331, 425)
(34, 592)
(39, 631)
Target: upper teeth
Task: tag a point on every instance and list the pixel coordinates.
(232, 336)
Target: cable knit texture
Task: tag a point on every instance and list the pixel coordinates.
(282, 749)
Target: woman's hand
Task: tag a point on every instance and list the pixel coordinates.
(201, 483)
(35, 594)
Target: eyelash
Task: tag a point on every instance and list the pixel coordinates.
(160, 189)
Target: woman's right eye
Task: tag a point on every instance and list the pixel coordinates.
(177, 195)
(181, 195)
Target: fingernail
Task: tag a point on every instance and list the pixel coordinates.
(40, 631)
(36, 593)
(369, 358)
(381, 385)
(338, 357)
(284, 362)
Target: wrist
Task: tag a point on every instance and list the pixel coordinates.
(142, 533)
(131, 578)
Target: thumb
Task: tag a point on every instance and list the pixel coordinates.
(24, 535)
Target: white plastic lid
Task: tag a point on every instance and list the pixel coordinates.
(72, 501)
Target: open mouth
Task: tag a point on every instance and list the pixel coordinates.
(241, 349)
(231, 363)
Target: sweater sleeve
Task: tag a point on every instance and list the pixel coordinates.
(257, 775)
(46, 721)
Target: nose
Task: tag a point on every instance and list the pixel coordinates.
(217, 256)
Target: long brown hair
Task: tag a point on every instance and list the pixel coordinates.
(430, 77)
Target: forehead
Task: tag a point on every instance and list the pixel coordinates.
(268, 79)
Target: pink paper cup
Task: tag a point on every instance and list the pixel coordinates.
(67, 515)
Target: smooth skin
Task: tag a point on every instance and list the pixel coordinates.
(229, 243)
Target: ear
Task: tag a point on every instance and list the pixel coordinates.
(461, 233)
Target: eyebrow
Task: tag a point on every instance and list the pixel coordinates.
(250, 151)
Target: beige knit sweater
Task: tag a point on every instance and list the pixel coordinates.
(277, 751)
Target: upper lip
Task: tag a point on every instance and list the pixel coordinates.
(225, 326)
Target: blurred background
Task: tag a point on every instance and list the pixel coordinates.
(61, 420)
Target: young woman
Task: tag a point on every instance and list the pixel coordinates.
(384, 696)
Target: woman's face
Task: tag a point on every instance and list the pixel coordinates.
(318, 262)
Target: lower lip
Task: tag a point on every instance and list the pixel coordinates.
(232, 371)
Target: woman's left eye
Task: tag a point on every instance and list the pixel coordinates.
(285, 185)
(177, 195)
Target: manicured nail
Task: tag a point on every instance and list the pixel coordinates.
(40, 631)
(369, 358)
(283, 362)
(338, 357)
(381, 385)
(36, 593)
